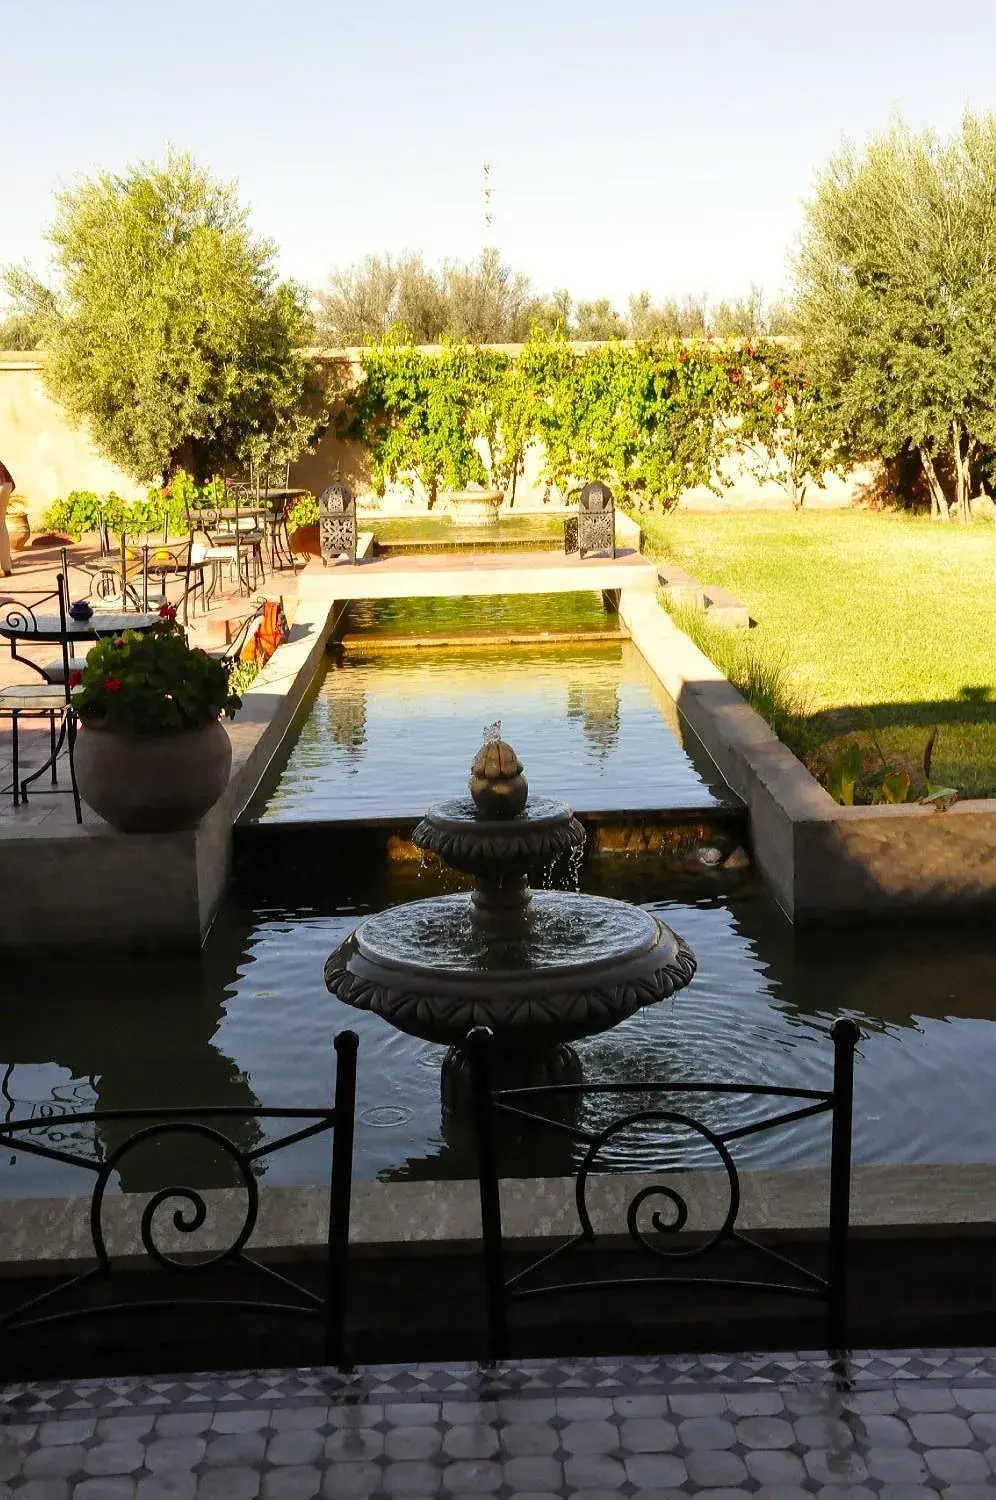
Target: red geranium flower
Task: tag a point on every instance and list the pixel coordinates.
(75, 677)
(167, 611)
(112, 684)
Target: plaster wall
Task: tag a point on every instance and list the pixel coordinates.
(49, 456)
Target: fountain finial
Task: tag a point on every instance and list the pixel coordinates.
(497, 784)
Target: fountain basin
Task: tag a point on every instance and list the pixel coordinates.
(584, 964)
(543, 832)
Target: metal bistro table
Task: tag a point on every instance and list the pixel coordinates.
(48, 629)
(21, 626)
(279, 502)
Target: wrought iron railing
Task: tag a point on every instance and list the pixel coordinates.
(667, 1203)
(81, 1296)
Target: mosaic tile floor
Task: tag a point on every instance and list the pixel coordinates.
(896, 1425)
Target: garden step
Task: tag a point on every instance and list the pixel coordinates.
(724, 608)
(681, 588)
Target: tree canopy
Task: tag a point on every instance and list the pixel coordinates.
(167, 332)
(897, 300)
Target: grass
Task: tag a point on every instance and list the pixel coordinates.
(874, 626)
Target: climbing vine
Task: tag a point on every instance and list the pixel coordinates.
(652, 419)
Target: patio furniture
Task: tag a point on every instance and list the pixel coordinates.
(233, 534)
(47, 699)
(337, 524)
(593, 529)
(658, 1212)
(174, 560)
(220, 1145)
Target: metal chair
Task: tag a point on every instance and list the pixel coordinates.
(217, 1139)
(337, 524)
(233, 535)
(658, 1212)
(48, 699)
(593, 529)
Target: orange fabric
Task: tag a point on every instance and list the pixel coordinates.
(271, 630)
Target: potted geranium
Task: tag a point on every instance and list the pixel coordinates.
(152, 755)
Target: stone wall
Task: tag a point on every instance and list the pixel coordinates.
(49, 456)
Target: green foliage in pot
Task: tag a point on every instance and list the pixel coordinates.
(152, 683)
(304, 512)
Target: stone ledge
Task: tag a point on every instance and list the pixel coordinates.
(89, 887)
(822, 861)
(435, 1218)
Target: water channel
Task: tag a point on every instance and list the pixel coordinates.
(387, 731)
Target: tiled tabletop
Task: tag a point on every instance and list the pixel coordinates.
(896, 1425)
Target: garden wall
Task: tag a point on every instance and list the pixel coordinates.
(49, 456)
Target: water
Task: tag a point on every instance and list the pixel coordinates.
(445, 533)
(255, 1025)
(387, 735)
(564, 934)
(537, 615)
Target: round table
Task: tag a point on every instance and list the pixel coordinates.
(20, 624)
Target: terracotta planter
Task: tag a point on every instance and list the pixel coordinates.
(153, 783)
(305, 542)
(18, 529)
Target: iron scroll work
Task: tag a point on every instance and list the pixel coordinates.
(658, 1213)
(187, 1210)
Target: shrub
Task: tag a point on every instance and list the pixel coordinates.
(153, 682)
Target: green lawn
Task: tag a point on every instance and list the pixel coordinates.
(876, 618)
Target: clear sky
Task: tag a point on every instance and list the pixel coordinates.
(634, 143)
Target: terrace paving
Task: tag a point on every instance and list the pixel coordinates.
(902, 1426)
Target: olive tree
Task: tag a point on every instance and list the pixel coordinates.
(897, 300)
(172, 340)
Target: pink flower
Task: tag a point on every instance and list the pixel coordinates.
(112, 684)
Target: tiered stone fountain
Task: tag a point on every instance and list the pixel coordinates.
(540, 968)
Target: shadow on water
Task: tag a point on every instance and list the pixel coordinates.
(124, 1034)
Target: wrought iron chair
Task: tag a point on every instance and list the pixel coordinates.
(166, 560)
(337, 524)
(593, 529)
(49, 699)
(178, 1210)
(233, 535)
(664, 1202)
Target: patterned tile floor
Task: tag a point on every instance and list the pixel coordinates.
(896, 1425)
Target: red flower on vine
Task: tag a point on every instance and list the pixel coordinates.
(112, 684)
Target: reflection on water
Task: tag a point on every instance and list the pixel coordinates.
(386, 735)
(495, 614)
(256, 1024)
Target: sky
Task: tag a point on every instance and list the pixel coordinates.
(633, 143)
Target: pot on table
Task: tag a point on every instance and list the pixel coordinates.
(152, 783)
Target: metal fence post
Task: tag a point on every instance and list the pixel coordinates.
(478, 1052)
(846, 1036)
(340, 1192)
